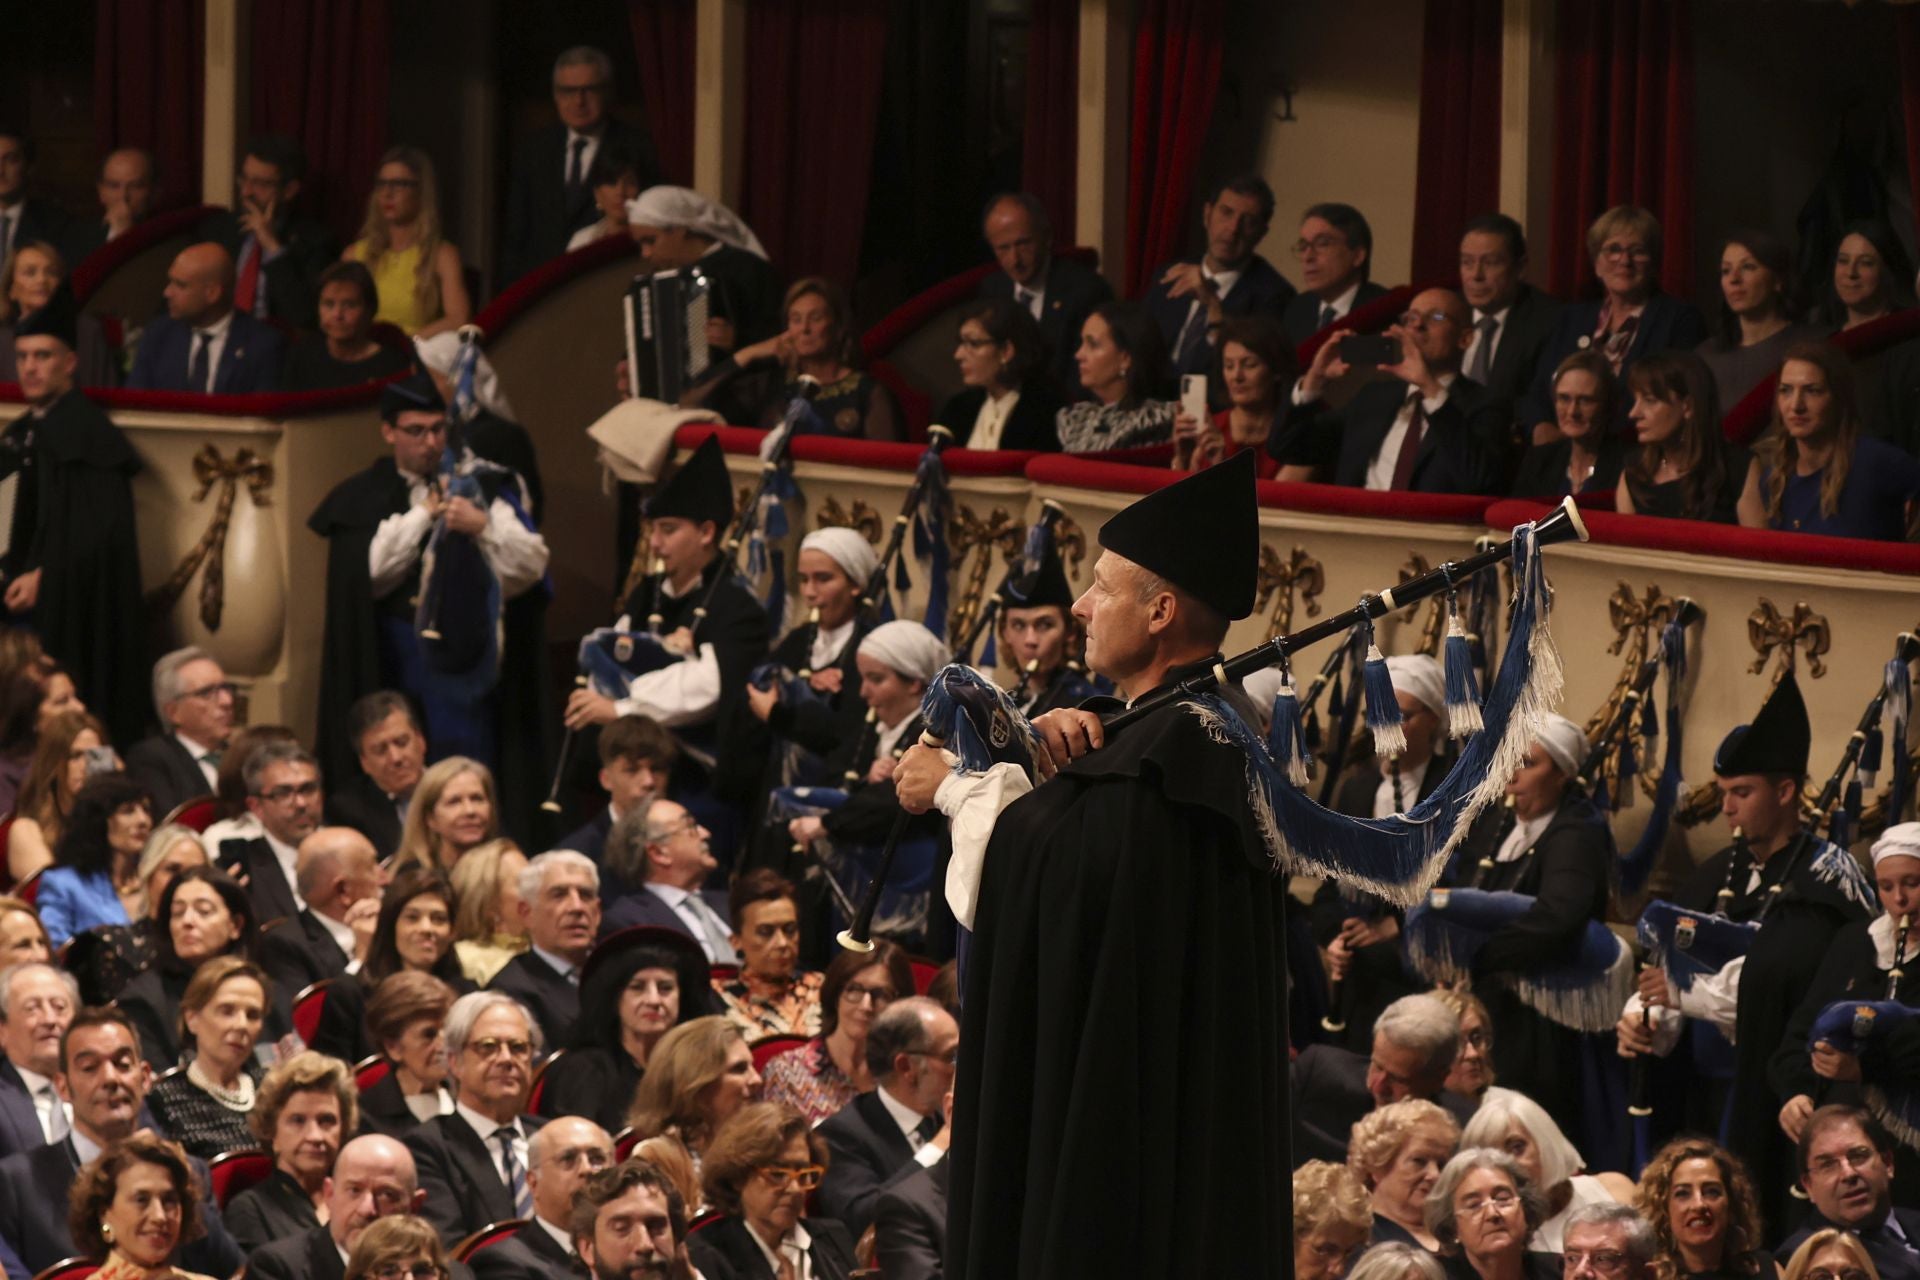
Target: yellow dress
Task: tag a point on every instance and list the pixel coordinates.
(395, 274)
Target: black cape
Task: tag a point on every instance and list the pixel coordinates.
(1121, 1100)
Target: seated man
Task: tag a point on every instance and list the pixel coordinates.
(1335, 249)
(1415, 1040)
(278, 255)
(880, 1138)
(392, 750)
(1191, 299)
(337, 876)
(125, 187)
(563, 1155)
(636, 759)
(203, 344)
(910, 1219)
(373, 1178)
(675, 857)
(1846, 1169)
(560, 907)
(37, 1001)
(1596, 1233)
(195, 702)
(1512, 320)
(24, 217)
(283, 795)
(1060, 293)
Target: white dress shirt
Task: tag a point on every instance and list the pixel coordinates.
(559, 964)
(486, 1128)
(991, 422)
(561, 1236)
(516, 554)
(1223, 282)
(342, 936)
(702, 921)
(1520, 840)
(1033, 295)
(288, 857)
(216, 334)
(925, 1153)
(587, 154)
(45, 1103)
(425, 1106)
(1380, 470)
(887, 736)
(1342, 304)
(794, 1247)
(199, 753)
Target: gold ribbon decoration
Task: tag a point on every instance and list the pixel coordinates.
(1774, 634)
(966, 533)
(211, 470)
(1279, 580)
(863, 520)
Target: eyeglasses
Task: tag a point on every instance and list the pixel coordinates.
(490, 1048)
(1625, 252)
(213, 690)
(1319, 244)
(416, 430)
(1858, 1157)
(854, 994)
(1412, 319)
(950, 1057)
(592, 1157)
(1850, 1273)
(805, 1177)
(1500, 1201)
(418, 1271)
(280, 795)
(1477, 1040)
(1598, 1259)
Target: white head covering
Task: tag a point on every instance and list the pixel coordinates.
(441, 353)
(1418, 676)
(908, 648)
(1901, 840)
(850, 550)
(1565, 742)
(683, 207)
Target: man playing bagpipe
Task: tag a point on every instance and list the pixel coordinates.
(1038, 636)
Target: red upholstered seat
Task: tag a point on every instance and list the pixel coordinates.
(624, 1142)
(371, 1071)
(924, 972)
(491, 1234)
(767, 1048)
(540, 1081)
(69, 1269)
(307, 1007)
(195, 814)
(232, 1172)
(28, 890)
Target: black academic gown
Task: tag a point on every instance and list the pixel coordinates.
(1121, 1104)
(74, 522)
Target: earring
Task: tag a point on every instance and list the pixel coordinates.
(106, 1231)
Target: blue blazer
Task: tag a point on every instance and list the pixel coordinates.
(1667, 324)
(249, 362)
(71, 902)
(1260, 290)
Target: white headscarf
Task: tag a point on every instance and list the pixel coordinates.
(908, 648)
(441, 353)
(1565, 742)
(684, 207)
(847, 548)
(1901, 840)
(1419, 676)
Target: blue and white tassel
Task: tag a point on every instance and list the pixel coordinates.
(1894, 713)
(1286, 736)
(1383, 709)
(1463, 691)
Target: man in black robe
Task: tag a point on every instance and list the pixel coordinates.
(1121, 1101)
(70, 561)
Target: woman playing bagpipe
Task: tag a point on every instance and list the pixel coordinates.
(1038, 636)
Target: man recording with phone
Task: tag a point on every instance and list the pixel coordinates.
(1424, 428)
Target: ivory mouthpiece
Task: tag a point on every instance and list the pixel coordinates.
(1033, 665)
(659, 565)
(813, 616)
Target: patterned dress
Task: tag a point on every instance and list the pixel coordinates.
(795, 1012)
(808, 1080)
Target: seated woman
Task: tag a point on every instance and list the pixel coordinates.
(28, 280)
(133, 1206)
(699, 1074)
(417, 274)
(395, 1247)
(1697, 1197)
(1399, 1150)
(205, 1103)
(23, 939)
(1630, 321)
(305, 1110)
(1008, 403)
(344, 353)
(1588, 456)
(614, 179)
(19, 734)
(630, 998)
(452, 810)
(1871, 277)
(1472, 1073)
(414, 931)
(756, 383)
(1514, 1123)
(92, 881)
(1332, 1220)
(107, 958)
(1756, 314)
(487, 928)
(675, 228)
(404, 1017)
(771, 996)
(1483, 1211)
(60, 766)
(829, 1071)
(232, 820)
(1683, 468)
(208, 918)
(1832, 1252)
(1123, 364)
(1256, 366)
(1814, 472)
(758, 1173)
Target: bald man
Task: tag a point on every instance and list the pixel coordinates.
(372, 1178)
(125, 186)
(1423, 428)
(561, 1155)
(338, 876)
(202, 344)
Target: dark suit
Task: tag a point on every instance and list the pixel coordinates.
(1073, 290)
(249, 362)
(1330, 1094)
(1517, 347)
(1460, 450)
(869, 1154)
(272, 1210)
(644, 906)
(368, 810)
(19, 1120)
(164, 766)
(1301, 318)
(292, 279)
(1666, 324)
(542, 212)
(591, 839)
(298, 952)
(724, 1251)
(910, 1226)
(35, 219)
(1892, 1259)
(546, 993)
(383, 1108)
(531, 1253)
(1260, 290)
(458, 1173)
(267, 887)
(1029, 426)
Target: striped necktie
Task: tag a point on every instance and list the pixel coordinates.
(516, 1176)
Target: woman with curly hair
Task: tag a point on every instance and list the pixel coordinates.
(1704, 1213)
(93, 880)
(133, 1206)
(1399, 1150)
(1332, 1220)
(763, 1163)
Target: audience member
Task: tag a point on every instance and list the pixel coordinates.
(671, 854)
(1846, 1168)
(204, 1103)
(560, 905)
(416, 273)
(1122, 368)
(373, 1178)
(770, 996)
(108, 957)
(278, 255)
(636, 762)
(1332, 1220)
(491, 431)
(1335, 250)
(396, 1246)
(1756, 315)
(232, 820)
(550, 189)
(1871, 280)
(37, 1001)
(1473, 1072)
(1483, 1211)
(284, 795)
(561, 1156)
(404, 1019)
(194, 701)
(1009, 401)
(20, 699)
(825, 1075)
(452, 811)
(1424, 428)
(24, 218)
(337, 877)
(488, 930)
(763, 1163)
(1609, 1240)
(1255, 367)
(28, 281)
(1511, 319)
(414, 932)
(392, 751)
(676, 227)
(1190, 301)
(1831, 1253)
(91, 882)
(1814, 471)
(125, 187)
(614, 178)
(69, 752)
(134, 1206)
(1396, 1261)
(1514, 1123)
(1704, 1214)
(304, 1109)
(1587, 454)
(345, 352)
(203, 344)
(645, 1219)
(1415, 1040)
(22, 937)
(910, 1220)
(698, 1076)
(1059, 293)
(1683, 468)
(1398, 1150)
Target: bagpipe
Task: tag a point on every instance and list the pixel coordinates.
(925, 511)
(1444, 934)
(1395, 858)
(893, 881)
(1883, 724)
(762, 522)
(1859, 1027)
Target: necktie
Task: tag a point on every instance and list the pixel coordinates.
(210, 757)
(56, 1114)
(1192, 332)
(1409, 443)
(718, 948)
(926, 1131)
(574, 176)
(1483, 354)
(249, 278)
(1328, 315)
(197, 369)
(516, 1177)
(6, 235)
(1025, 297)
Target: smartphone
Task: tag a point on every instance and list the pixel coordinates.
(1193, 396)
(1364, 349)
(102, 760)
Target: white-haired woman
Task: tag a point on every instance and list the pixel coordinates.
(1396, 1261)
(1483, 1210)
(1514, 1123)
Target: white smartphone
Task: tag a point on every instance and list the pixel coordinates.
(1193, 396)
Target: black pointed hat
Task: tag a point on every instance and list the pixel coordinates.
(1777, 741)
(1046, 585)
(699, 490)
(414, 393)
(1202, 534)
(57, 317)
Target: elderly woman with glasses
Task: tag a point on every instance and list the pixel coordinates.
(1831, 1254)
(1514, 1123)
(1332, 1220)
(758, 1172)
(1482, 1211)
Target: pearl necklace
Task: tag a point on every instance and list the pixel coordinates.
(238, 1098)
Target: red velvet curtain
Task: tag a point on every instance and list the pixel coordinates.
(319, 75)
(663, 43)
(1459, 172)
(813, 98)
(1177, 47)
(1623, 113)
(1050, 133)
(148, 64)
(1906, 32)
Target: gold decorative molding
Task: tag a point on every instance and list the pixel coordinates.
(1279, 580)
(1070, 540)
(863, 519)
(210, 469)
(1635, 619)
(968, 533)
(1782, 636)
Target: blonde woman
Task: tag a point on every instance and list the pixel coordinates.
(416, 272)
(1399, 1150)
(454, 809)
(487, 928)
(697, 1076)
(1332, 1220)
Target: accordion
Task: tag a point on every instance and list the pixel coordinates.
(666, 318)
